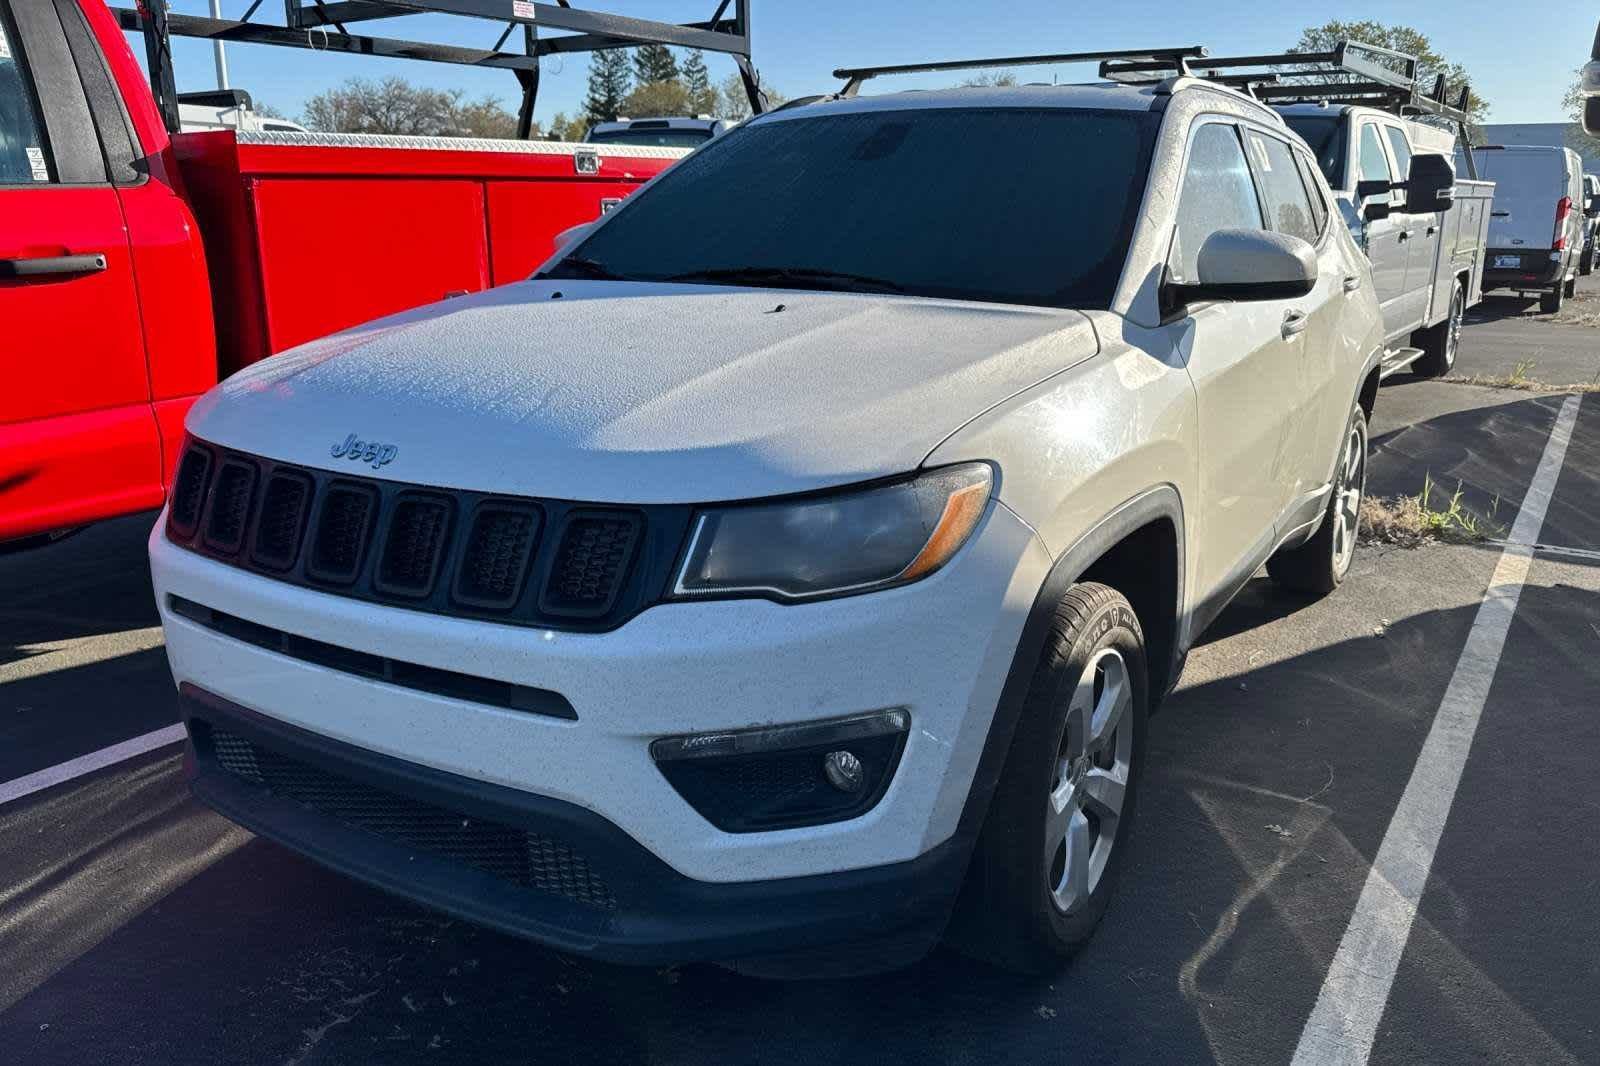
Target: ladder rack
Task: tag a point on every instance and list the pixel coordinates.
(322, 26)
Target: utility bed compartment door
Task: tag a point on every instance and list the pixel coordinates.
(337, 252)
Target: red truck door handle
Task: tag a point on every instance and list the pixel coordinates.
(47, 265)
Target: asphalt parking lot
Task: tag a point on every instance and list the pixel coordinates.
(137, 927)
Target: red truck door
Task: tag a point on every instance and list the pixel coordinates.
(78, 438)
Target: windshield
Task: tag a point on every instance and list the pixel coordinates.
(657, 138)
(1324, 134)
(1030, 206)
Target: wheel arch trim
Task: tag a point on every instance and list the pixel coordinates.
(1161, 502)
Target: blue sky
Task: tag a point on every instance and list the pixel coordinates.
(1521, 56)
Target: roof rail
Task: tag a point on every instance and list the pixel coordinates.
(1177, 59)
(322, 26)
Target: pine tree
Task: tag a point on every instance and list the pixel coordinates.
(653, 63)
(697, 79)
(609, 79)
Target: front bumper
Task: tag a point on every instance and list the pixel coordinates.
(533, 866)
(941, 649)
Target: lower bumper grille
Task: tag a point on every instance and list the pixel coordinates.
(527, 859)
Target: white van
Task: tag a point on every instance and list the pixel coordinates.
(1536, 223)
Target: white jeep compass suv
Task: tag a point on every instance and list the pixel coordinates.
(783, 576)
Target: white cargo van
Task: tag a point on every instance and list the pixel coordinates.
(1536, 223)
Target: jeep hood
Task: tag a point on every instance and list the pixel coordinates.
(627, 392)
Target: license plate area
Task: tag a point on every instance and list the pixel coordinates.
(1508, 262)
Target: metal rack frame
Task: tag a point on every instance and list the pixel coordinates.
(1175, 59)
(321, 26)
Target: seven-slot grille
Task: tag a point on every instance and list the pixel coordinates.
(524, 561)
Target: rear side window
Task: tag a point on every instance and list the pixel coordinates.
(1288, 206)
(23, 158)
(1319, 204)
(1217, 193)
(1374, 164)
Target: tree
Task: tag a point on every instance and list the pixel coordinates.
(653, 63)
(657, 99)
(486, 118)
(564, 128)
(1401, 39)
(395, 106)
(610, 75)
(697, 80)
(732, 101)
(995, 77)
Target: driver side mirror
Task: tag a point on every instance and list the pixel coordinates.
(1248, 264)
(571, 234)
(1430, 185)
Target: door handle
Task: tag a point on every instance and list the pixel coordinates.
(1432, 230)
(1499, 214)
(1405, 235)
(1294, 324)
(59, 265)
(1352, 282)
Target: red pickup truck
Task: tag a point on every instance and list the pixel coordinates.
(139, 267)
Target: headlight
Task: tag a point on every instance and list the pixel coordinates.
(847, 542)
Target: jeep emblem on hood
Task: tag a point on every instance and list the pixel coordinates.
(369, 451)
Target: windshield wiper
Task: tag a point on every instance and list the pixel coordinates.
(792, 277)
(577, 266)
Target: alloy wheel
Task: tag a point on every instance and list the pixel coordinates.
(1090, 783)
(1351, 485)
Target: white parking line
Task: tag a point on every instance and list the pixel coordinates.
(1344, 1022)
(88, 764)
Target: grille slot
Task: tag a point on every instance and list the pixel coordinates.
(189, 491)
(229, 516)
(343, 528)
(495, 563)
(591, 563)
(284, 505)
(414, 545)
(524, 858)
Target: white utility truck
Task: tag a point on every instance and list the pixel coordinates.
(1384, 143)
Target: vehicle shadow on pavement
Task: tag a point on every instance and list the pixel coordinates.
(65, 590)
(1490, 453)
(1259, 817)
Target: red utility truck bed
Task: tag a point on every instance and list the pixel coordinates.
(138, 268)
(307, 234)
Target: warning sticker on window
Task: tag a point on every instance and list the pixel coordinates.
(36, 163)
(522, 9)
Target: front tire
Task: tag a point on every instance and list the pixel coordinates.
(1046, 863)
(1320, 565)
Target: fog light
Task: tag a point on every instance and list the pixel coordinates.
(844, 771)
(783, 777)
